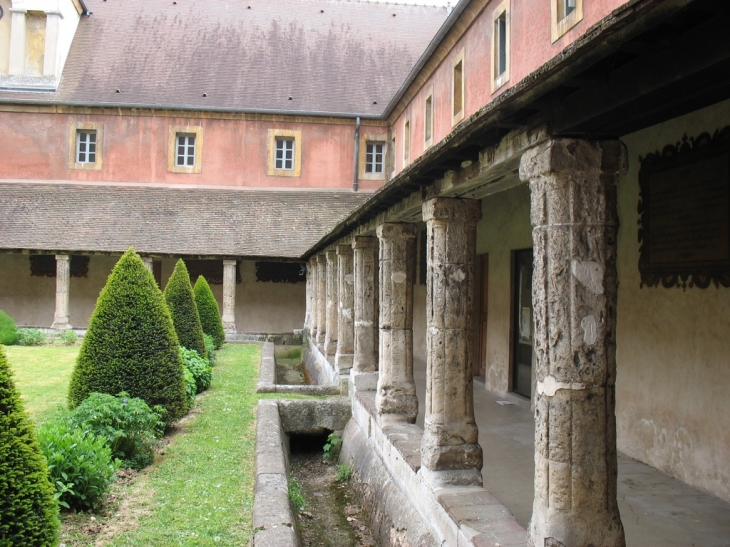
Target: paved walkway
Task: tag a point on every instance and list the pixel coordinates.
(656, 510)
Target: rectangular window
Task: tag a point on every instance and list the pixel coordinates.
(374, 157)
(406, 142)
(392, 156)
(457, 88)
(566, 7)
(565, 15)
(284, 158)
(185, 155)
(500, 45)
(428, 121)
(86, 147)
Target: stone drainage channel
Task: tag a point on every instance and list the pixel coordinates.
(302, 498)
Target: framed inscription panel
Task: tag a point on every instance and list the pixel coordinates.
(684, 213)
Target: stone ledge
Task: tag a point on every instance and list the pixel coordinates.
(311, 416)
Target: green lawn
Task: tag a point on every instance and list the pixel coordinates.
(42, 374)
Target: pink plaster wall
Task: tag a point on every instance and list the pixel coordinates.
(35, 146)
(530, 48)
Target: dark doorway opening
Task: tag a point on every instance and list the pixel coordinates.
(522, 324)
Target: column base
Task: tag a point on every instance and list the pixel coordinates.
(364, 381)
(564, 529)
(343, 362)
(395, 406)
(450, 477)
(330, 348)
(229, 328)
(61, 325)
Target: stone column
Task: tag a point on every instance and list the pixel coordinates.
(396, 399)
(345, 331)
(50, 54)
(330, 339)
(321, 300)
(364, 375)
(228, 317)
(574, 218)
(63, 281)
(148, 263)
(17, 42)
(450, 451)
(312, 296)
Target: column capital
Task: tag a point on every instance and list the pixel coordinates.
(365, 242)
(229, 262)
(331, 254)
(453, 209)
(397, 230)
(322, 258)
(344, 249)
(571, 155)
(62, 258)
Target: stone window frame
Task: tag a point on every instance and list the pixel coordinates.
(559, 24)
(173, 133)
(372, 138)
(428, 121)
(457, 116)
(73, 129)
(501, 79)
(296, 136)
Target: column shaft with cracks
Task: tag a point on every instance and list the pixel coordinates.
(63, 282)
(450, 451)
(365, 266)
(330, 339)
(346, 286)
(311, 321)
(574, 218)
(396, 399)
(321, 300)
(228, 316)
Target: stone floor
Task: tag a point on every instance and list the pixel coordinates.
(657, 510)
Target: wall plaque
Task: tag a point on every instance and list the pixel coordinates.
(684, 208)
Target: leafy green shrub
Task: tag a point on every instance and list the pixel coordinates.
(344, 472)
(130, 427)
(198, 367)
(191, 388)
(295, 495)
(69, 338)
(131, 344)
(31, 337)
(79, 462)
(28, 512)
(181, 303)
(210, 348)
(210, 317)
(332, 447)
(8, 329)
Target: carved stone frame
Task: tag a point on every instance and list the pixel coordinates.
(689, 152)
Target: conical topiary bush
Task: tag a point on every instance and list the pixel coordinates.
(210, 317)
(181, 303)
(131, 343)
(28, 512)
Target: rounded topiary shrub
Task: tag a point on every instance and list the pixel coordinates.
(181, 303)
(131, 344)
(8, 329)
(210, 317)
(28, 511)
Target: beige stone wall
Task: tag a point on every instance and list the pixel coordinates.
(505, 227)
(673, 381)
(260, 307)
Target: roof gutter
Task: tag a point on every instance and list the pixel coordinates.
(432, 46)
(357, 154)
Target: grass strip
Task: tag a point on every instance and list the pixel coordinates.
(201, 493)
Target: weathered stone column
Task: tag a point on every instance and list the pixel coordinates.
(450, 451)
(396, 399)
(63, 282)
(17, 42)
(574, 218)
(312, 285)
(148, 263)
(345, 331)
(365, 270)
(228, 317)
(330, 339)
(321, 300)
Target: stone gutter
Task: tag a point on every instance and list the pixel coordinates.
(267, 378)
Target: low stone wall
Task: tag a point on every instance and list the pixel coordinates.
(267, 378)
(323, 372)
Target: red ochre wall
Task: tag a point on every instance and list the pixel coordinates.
(35, 147)
(530, 48)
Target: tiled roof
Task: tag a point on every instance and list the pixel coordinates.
(329, 56)
(168, 221)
